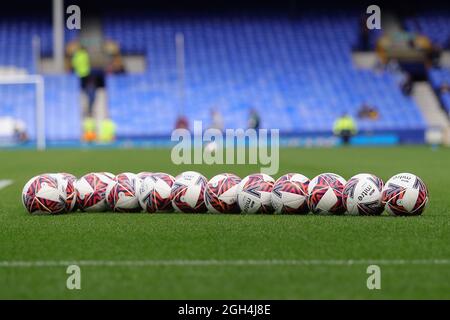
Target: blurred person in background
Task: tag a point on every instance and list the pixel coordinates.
(367, 111)
(89, 130)
(20, 131)
(107, 131)
(216, 120)
(216, 123)
(13, 129)
(182, 122)
(115, 65)
(345, 128)
(81, 65)
(254, 120)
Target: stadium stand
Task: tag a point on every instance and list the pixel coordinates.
(439, 77)
(434, 24)
(16, 36)
(297, 72)
(61, 102)
(61, 92)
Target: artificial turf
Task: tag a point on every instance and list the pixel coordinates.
(206, 237)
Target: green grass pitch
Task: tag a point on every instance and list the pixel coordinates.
(174, 237)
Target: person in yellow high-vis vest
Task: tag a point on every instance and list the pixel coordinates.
(81, 65)
(345, 128)
(107, 131)
(89, 130)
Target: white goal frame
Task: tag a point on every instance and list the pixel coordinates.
(38, 81)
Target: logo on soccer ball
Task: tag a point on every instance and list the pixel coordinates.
(254, 194)
(362, 195)
(405, 194)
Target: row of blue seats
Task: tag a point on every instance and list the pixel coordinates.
(297, 73)
(439, 78)
(395, 109)
(445, 98)
(16, 37)
(134, 32)
(434, 24)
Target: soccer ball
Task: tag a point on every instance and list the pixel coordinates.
(325, 194)
(154, 193)
(290, 194)
(122, 194)
(221, 193)
(254, 178)
(255, 194)
(91, 191)
(143, 175)
(187, 192)
(405, 194)
(362, 195)
(44, 194)
(68, 182)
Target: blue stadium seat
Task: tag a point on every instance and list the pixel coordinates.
(297, 73)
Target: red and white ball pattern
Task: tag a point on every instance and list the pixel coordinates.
(405, 194)
(144, 174)
(91, 191)
(221, 193)
(68, 182)
(154, 193)
(254, 194)
(44, 194)
(253, 178)
(362, 195)
(122, 195)
(187, 192)
(290, 194)
(325, 194)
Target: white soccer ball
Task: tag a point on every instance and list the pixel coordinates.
(325, 194)
(44, 194)
(254, 194)
(221, 193)
(154, 193)
(290, 194)
(122, 195)
(187, 192)
(405, 194)
(91, 191)
(362, 195)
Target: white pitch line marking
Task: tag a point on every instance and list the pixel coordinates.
(5, 183)
(207, 263)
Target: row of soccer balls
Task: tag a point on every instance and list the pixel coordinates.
(328, 193)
